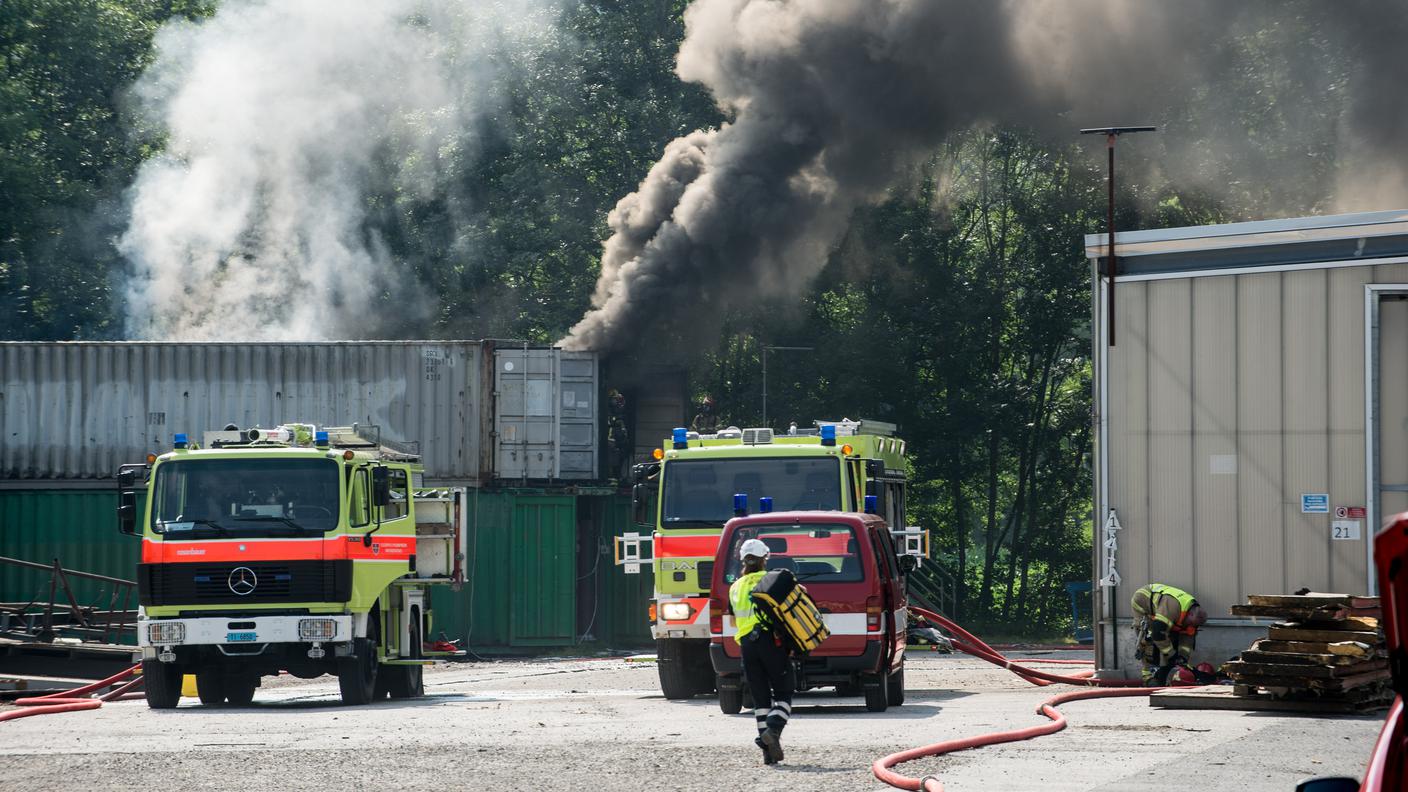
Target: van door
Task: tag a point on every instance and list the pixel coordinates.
(892, 591)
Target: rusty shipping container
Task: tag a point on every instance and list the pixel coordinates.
(77, 410)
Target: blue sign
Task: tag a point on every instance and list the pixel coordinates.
(1314, 503)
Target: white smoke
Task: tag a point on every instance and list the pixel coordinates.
(283, 121)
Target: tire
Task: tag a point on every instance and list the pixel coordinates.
(239, 691)
(357, 675)
(877, 697)
(896, 697)
(162, 682)
(210, 687)
(676, 682)
(405, 682)
(730, 699)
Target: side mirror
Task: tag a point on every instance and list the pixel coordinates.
(908, 563)
(126, 479)
(127, 513)
(1328, 784)
(638, 504)
(381, 486)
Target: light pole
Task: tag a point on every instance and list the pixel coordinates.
(766, 350)
(1110, 134)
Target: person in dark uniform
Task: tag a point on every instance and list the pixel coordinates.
(705, 421)
(765, 663)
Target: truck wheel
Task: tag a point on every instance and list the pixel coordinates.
(670, 660)
(730, 698)
(210, 686)
(897, 687)
(356, 675)
(163, 684)
(407, 681)
(240, 690)
(877, 695)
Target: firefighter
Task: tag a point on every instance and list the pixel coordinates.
(705, 421)
(617, 436)
(1166, 622)
(766, 666)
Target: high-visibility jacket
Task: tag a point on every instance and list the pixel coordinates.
(740, 600)
(1163, 609)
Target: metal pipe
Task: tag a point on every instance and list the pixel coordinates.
(67, 572)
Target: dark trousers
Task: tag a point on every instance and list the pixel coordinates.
(769, 676)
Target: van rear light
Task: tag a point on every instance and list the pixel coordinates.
(873, 611)
(716, 617)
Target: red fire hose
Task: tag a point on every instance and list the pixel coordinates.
(77, 699)
(968, 643)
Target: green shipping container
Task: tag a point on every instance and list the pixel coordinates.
(76, 526)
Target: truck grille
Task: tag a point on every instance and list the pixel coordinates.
(266, 581)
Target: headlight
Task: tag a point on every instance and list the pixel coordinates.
(676, 611)
(166, 632)
(316, 629)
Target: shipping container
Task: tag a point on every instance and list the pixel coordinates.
(75, 411)
(1253, 432)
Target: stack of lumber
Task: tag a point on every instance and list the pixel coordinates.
(1327, 650)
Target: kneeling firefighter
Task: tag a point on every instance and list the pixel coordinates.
(766, 666)
(1167, 622)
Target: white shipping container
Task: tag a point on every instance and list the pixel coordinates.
(77, 410)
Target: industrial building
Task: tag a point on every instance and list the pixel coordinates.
(1252, 414)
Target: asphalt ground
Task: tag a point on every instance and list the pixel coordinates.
(601, 725)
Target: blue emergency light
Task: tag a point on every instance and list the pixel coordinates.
(320, 439)
(872, 504)
(765, 505)
(740, 504)
(181, 441)
(828, 435)
(681, 437)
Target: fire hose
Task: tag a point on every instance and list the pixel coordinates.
(968, 643)
(78, 698)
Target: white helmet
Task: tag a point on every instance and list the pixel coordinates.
(753, 547)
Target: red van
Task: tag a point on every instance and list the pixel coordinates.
(850, 567)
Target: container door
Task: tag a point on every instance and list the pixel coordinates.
(544, 564)
(1391, 442)
(545, 414)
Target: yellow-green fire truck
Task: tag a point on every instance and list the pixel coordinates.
(289, 549)
(700, 481)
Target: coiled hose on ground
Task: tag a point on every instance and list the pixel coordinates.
(968, 643)
(78, 698)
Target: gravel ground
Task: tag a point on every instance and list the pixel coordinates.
(602, 725)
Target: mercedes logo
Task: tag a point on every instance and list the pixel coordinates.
(242, 581)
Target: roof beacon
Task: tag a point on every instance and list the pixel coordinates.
(828, 434)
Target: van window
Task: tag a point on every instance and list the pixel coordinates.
(814, 553)
(883, 555)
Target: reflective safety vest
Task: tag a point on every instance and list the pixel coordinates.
(740, 598)
(1186, 602)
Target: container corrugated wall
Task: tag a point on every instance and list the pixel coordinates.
(1230, 396)
(78, 410)
(76, 526)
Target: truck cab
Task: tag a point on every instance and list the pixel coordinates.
(852, 567)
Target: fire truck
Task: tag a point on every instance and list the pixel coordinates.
(294, 549)
(699, 481)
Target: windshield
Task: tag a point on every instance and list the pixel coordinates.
(213, 498)
(703, 490)
(819, 553)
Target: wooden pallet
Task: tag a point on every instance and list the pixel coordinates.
(1222, 697)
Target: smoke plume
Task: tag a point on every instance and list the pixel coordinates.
(283, 123)
(830, 101)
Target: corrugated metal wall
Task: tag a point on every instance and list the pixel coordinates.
(1229, 397)
(76, 526)
(78, 410)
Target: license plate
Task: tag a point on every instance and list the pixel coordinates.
(238, 637)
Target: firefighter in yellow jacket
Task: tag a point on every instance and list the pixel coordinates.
(1167, 621)
(765, 662)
